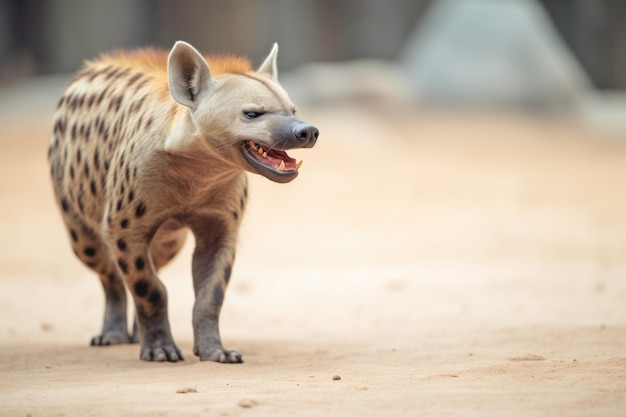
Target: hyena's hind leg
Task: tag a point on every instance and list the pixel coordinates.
(94, 253)
(114, 326)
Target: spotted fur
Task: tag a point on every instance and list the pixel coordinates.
(146, 146)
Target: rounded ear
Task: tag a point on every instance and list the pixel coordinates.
(188, 73)
(268, 67)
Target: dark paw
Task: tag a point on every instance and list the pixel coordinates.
(218, 355)
(110, 338)
(169, 352)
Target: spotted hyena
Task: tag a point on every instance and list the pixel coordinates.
(147, 145)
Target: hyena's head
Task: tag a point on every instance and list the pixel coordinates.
(246, 117)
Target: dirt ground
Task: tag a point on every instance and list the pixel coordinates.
(423, 264)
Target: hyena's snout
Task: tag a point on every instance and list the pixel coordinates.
(305, 133)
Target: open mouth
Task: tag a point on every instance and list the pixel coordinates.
(274, 164)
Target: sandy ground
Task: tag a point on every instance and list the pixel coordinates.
(422, 264)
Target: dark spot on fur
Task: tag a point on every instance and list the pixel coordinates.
(123, 73)
(135, 173)
(79, 156)
(121, 244)
(74, 235)
(218, 297)
(112, 73)
(96, 159)
(101, 126)
(139, 264)
(149, 123)
(235, 215)
(119, 204)
(116, 103)
(134, 79)
(141, 288)
(127, 173)
(124, 223)
(61, 101)
(64, 205)
(141, 209)
(86, 169)
(81, 206)
(106, 165)
(242, 202)
(137, 105)
(123, 265)
(74, 131)
(89, 251)
(59, 126)
(122, 160)
(111, 278)
(155, 297)
(72, 171)
(92, 186)
(227, 271)
(142, 83)
(102, 95)
(91, 100)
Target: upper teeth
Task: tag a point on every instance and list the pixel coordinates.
(260, 150)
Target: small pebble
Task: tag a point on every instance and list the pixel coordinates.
(336, 378)
(186, 390)
(247, 403)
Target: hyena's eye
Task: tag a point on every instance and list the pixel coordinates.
(253, 114)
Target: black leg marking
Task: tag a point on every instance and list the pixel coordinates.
(141, 288)
(227, 271)
(123, 265)
(139, 264)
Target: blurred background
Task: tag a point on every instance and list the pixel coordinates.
(528, 54)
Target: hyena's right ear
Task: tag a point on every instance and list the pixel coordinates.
(188, 74)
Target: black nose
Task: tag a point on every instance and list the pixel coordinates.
(306, 133)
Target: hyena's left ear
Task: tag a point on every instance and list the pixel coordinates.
(268, 67)
(188, 74)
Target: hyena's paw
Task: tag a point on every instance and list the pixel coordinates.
(159, 352)
(110, 338)
(218, 355)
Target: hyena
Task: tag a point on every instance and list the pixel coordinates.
(148, 145)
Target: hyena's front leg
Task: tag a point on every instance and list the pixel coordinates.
(135, 264)
(212, 264)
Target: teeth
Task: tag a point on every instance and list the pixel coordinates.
(260, 150)
(281, 167)
(298, 165)
(253, 144)
(264, 153)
